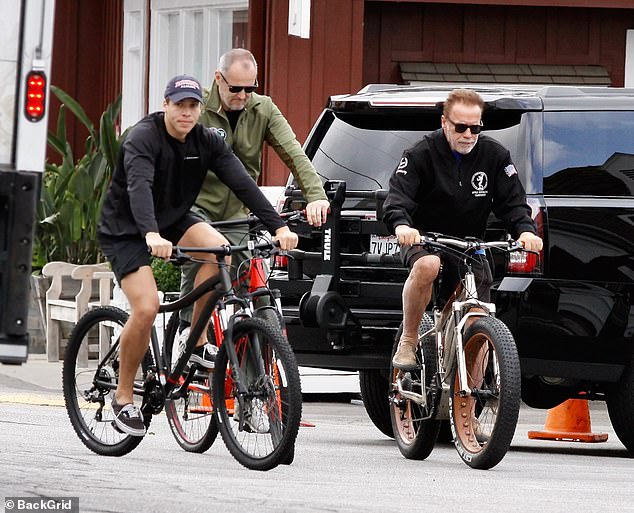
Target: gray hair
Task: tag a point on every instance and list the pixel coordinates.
(236, 55)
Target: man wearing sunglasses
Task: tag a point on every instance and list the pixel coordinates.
(449, 183)
(247, 120)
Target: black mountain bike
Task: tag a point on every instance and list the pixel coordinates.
(255, 392)
(468, 360)
(190, 416)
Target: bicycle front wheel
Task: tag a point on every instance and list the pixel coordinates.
(259, 428)
(190, 415)
(89, 383)
(483, 422)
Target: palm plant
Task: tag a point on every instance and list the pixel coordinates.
(73, 191)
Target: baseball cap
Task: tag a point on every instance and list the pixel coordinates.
(181, 87)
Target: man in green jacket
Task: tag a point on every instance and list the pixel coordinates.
(246, 120)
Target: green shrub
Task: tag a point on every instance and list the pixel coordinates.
(166, 274)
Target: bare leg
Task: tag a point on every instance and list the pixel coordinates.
(201, 235)
(140, 289)
(416, 296)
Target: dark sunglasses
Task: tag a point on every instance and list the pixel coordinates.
(237, 89)
(461, 128)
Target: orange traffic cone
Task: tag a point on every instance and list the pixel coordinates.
(569, 422)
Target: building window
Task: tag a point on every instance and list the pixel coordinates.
(186, 36)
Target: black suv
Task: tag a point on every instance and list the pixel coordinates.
(571, 311)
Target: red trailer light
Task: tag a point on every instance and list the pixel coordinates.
(35, 101)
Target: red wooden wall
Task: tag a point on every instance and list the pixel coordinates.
(87, 60)
(426, 32)
(300, 74)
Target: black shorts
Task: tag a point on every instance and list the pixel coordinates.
(452, 271)
(128, 253)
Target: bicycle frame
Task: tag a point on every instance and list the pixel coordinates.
(450, 324)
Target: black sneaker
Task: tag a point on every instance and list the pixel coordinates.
(128, 419)
(204, 356)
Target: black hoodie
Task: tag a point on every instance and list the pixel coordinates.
(434, 190)
(157, 179)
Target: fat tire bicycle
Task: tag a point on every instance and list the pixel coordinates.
(255, 372)
(468, 360)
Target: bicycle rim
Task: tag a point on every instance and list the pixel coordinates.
(89, 384)
(483, 423)
(190, 416)
(261, 433)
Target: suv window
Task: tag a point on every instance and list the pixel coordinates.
(364, 158)
(606, 170)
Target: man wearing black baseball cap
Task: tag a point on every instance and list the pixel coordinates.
(159, 172)
(182, 87)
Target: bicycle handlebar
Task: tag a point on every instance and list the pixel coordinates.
(440, 241)
(180, 253)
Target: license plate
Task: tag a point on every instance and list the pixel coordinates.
(383, 244)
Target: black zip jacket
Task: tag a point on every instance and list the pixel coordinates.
(434, 191)
(157, 179)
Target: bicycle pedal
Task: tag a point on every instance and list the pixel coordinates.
(117, 428)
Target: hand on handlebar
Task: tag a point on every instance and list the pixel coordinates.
(407, 235)
(287, 239)
(317, 212)
(158, 246)
(530, 241)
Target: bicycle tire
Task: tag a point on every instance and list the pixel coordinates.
(415, 436)
(279, 412)
(374, 386)
(94, 426)
(483, 425)
(190, 418)
(271, 315)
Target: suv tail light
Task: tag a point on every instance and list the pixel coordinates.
(529, 263)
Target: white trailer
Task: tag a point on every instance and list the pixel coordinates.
(26, 40)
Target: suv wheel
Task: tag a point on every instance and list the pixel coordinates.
(620, 403)
(374, 392)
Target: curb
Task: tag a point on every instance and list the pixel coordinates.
(31, 399)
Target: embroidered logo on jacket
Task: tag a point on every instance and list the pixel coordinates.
(402, 165)
(479, 182)
(221, 132)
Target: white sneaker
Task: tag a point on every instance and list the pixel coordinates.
(256, 419)
(181, 340)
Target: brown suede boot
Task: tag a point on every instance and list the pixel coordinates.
(405, 356)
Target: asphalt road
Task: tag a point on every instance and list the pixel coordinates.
(342, 464)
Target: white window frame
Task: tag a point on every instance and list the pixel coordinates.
(134, 76)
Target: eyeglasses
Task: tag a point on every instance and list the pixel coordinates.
(236, 89)
(462, 128)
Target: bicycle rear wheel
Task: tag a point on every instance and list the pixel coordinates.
(415, 429)
(190, 416)
(89, 384)
(483, 423)
(261, 429)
